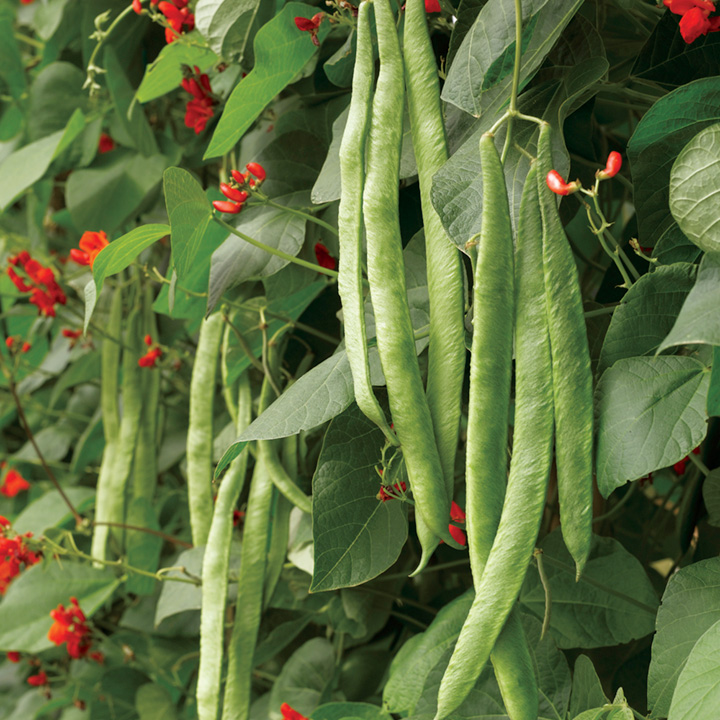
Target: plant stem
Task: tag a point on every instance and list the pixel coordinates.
(512, 112)
(601, 311)
(304, 215)
(538, 555)
(274, 251)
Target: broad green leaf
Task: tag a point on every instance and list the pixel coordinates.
(343, 710)
(305, 678)
(131, 116)
(318, 396)
(697, 169)
(339, 68)
(153, 702)
(356, 536)
(697, 693)
(699, 319)
(457, 187)
(279, 638)
(164, 74)
(143, 549)
(651, 414)
(54, 442)
(113, 190)
(673, 247)
(281, 51)
(226, 24)
(668, 60)
(54, 97)
(12, 70)
(646, 313)
(235, 261)
(190, 213)
(713, 399)
(25, 609)
(481, 73)
(658, 138)
(48, 17)
(711, 496)
(27, 165)
(587, 692)
(690, 607)
(50, 510)
(612, 603)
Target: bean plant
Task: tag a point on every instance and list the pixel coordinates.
(360, 360)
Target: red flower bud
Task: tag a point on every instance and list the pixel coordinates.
(559, 186)
(257, 170)
(238, 177)
(457, 535)
(13, 657)
(432, 6)
(232, 193)
(612, 167)
(224, 206)
(324, 258)
(137, 6)
(457, 514)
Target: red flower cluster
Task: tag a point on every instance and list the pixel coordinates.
(71, 627)
(311, 25)
(198, 110)
(324, 258)
(399, 488)
(105, 144)
(91, 243)
(14, 344)
(236, 196)
(289, 714)
(178, 16)
(137, 5)
(46, 293)
(13, 483)
(152, 355)
(38, 680)
(14, 555)
(694, 21)
(679, 467)
(556, 183)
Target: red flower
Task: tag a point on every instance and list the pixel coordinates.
(457, 535)
(693, 24)
(289, 714)
(310, 25)
(150, 358)
(38, 680)
(324, 258)
(14, 555)
(71, 334)
(106, 143)
(432, 6)
(612, 166)
(13, 657)
(559, 186)
(179, 18)
(91, 243)
(679, 467)
(70, 627)
(45, 292)
(15, 344)
(13, 484)
(198, 110)
(680, 7)
(457, 514)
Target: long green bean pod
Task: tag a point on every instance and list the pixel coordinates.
(215, 568)
(386, 276)
(280, 477)
(446, 352)
(251, 580)
(110, 367)
(487, 623)
(350, 224)
(572, 375)
(200, 428)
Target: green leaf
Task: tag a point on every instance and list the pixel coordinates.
(344, 710)
(113, 190)
(27, 165)
(713, 399)
(178, 597)
(697, 168)
(190, 213)
(12, 70)
(281, 51)
(587, 692)
(130, 115)
(651, 414)
(674, 247)
(164, 74)
(646, 313)
(658, 138)
(235, 261)
(50, 510)
(339, 67)
(699, 320)
(153, 702)
(143, 549)
(697, 693)
(612, 603)
(711, 496)
(690, 607)
(25, 609)
(356, 536)
(226, 24)
(305, 678)
(481, 51)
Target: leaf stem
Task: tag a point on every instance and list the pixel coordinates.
(302, 214)
(512, 112)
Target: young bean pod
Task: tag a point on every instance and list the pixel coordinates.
(350, 224)
(200, 428)
(386, 276)
(572, 375)
(215, 568)
(487, 622)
